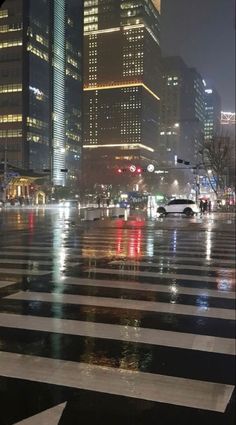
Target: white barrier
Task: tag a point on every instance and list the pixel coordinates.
(92, 214)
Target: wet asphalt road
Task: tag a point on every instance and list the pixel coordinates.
(116, 321)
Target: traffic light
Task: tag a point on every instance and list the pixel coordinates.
(181, 161)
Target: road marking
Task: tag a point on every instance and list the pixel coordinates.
(160, 248)
(5, 283)
(37, 255)
(96, 253)
(47, 417)
(184, 309)
(139, 385)
(173, 266)
(99, 253)
(52, 262)
(188, 259)
(172, 289)
(125, 272)
(25, 272)
(182, 340)
(200, 254)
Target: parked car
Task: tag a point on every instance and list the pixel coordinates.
(179, 206)
(69, 203)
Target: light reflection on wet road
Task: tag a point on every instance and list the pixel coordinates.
(152, 300)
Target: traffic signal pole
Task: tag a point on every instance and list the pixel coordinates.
(197, 168)
(197, 183)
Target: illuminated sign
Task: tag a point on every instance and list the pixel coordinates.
(132, 168)
(150, 168)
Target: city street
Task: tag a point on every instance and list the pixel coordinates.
(116, 322)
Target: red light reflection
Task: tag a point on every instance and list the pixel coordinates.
(31, 220)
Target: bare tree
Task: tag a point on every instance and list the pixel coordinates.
(215, 156)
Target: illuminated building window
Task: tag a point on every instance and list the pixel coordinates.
(73, 136)
(92, 11)
(72, 61)
(10, 133)
(3, 13)
(33, 137)
(12, 43)
(72, 74)
(38, 93)
(90, 27)
(88, 3)
(70, 22)
(33, 122)
(10, 118)
(37, 52)
(10, 88)
(90, 19)
(40, 39)
(11, 28)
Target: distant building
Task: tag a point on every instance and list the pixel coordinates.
(212, 113)
(228, 123)
(182, 112)
(121, 89)
(41, 84)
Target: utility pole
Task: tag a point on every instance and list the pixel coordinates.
(197, 182)
(196, 167)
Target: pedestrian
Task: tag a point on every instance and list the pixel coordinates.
(205, 206)
(201, 206)
(209, 206)
(99, 201)
(25, 283)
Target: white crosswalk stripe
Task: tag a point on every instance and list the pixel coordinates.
(170, 275)
(125, 304)
(6, 283)
(149, 287)
(48, 417)
(173, 266)
(176, 309)
(121, 333)
(152, 387)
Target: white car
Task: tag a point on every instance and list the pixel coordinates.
(179, 206)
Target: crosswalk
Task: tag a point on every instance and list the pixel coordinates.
(137, 314)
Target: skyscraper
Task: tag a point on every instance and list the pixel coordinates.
(182, 111)
(41, 83)
(212, 113)
(121, 88)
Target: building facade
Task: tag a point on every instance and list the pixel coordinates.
(212, 113)
(121, 89)
(182, 112)
(41, 85)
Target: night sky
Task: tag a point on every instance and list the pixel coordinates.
(203, 33)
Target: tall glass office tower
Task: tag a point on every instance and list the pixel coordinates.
(121, 88)
(41, 85)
